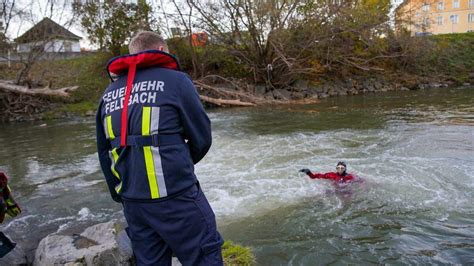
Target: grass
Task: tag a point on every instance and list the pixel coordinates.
(88, 72)
(454, 55)
(237, 255)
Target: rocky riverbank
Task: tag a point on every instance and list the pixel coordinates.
(303, 89)
(301, 92)
(100, 244)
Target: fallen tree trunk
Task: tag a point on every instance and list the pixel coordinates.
(224, 102)
(229, 93)
(9, 87)
(19, 103)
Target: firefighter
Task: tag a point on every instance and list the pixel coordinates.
(151, 131)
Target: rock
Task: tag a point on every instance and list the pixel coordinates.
(466, 84)
(311, 91)
(403, 88)
(350, 84)
(353, 91)
(377, 85)
(260, 89)
(300, 84)
(269, 95)
(296, 95)
(314, 96)
(342, 92)
(323, 95)
(436, 85)
(323, 89)
(471, 76)
(282, 94)
(422, 86)
(326, 88)
(15, 257)
(332, 91)
(101, 244)
(90, 113)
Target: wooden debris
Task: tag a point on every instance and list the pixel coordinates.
(224, 102)
(9, 87)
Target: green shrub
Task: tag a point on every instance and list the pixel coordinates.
(237, 255)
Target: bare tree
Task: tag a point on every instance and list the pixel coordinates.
(184, 17)
(247, 28)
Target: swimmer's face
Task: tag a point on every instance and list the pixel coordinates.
(340, 169)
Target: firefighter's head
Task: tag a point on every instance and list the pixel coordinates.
(147, 40)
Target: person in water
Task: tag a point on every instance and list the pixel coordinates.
(340, 176)
(8, 206)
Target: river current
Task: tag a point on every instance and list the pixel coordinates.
(414, 150)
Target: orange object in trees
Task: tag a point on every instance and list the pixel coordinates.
(199, 39)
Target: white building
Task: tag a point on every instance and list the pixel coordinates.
(48, 36)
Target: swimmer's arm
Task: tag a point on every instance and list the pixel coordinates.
(317, 175)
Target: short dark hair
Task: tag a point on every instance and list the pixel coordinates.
(342, 163)
(146, 40)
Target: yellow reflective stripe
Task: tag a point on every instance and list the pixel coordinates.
(150, 170)
(150, 167)
(115, 157)
(109, 127)
(146, 121)
(118, 187)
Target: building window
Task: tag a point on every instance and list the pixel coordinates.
(470, 18)
(454, 19)
(439, 20)
(471, 3)
(455, 3)
(426, 7)
(441, 5)
(426, 22)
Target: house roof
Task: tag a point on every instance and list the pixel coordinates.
(399, 7)
(44, 30)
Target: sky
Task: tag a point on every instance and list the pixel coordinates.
(35, 10)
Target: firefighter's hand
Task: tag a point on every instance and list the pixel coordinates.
(117, 198)
(305, 170)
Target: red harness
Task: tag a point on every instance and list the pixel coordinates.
(129, 63)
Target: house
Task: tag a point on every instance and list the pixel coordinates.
(425, 17)
(48, 36)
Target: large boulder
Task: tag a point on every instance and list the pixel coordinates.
(101, 244)
(300, 85)
(282, 94)
(260, 89)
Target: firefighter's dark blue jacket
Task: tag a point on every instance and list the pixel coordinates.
(148, 148)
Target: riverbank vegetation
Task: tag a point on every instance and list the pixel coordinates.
(264, 52)
(237, 255)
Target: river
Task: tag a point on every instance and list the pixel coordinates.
(414, 149)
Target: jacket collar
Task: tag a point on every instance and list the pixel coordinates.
(119, 65)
